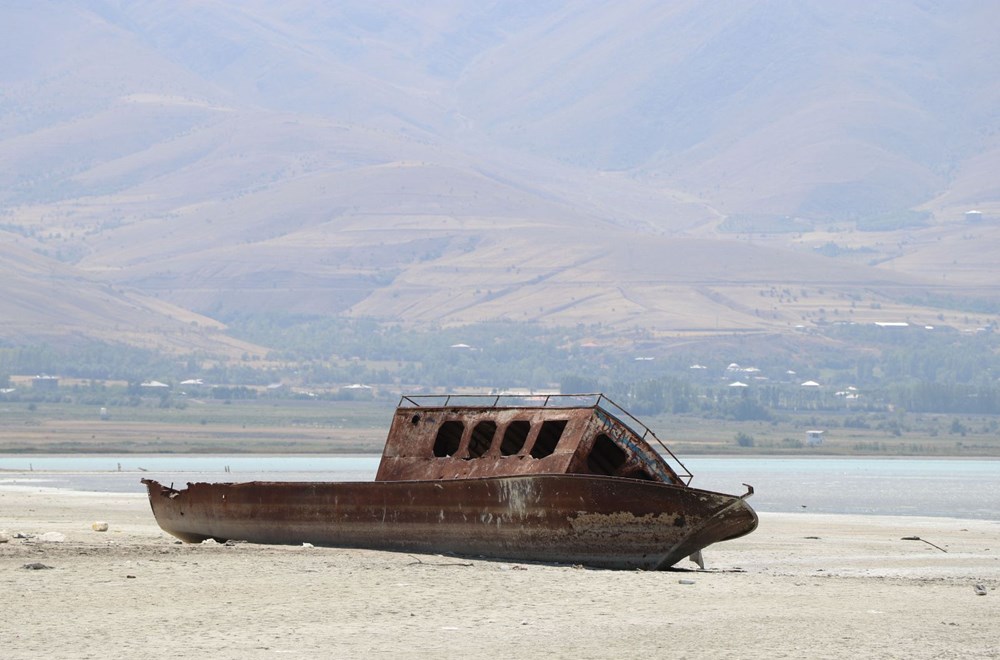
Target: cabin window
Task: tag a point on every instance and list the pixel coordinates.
(548, 438)
(606, 456)
(514, 438)
(482, 438)
(448, 439)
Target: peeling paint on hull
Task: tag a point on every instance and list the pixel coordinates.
(603, 522)
(558, 478)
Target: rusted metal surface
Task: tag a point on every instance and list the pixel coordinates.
(565, 484)
(409, 451)
(597, 521)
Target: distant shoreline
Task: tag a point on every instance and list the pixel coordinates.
(912, 486)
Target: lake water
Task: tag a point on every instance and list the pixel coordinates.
(960, 488)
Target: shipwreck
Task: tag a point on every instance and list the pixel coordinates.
(561, 478)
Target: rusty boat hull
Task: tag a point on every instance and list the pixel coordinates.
(604, 522)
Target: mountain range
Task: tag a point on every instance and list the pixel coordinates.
(689, 168)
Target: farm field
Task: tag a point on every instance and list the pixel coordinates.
(199, 427)
(332, 427)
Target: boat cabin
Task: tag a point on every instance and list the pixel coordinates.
(465, 437)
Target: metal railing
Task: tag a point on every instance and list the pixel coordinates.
(501, 400)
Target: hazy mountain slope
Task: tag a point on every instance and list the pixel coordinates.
(765, 107)
(974, 184)
(45, 301)
(554, 161)
(678, 285)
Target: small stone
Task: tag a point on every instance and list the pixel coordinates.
(685, 581)
(99, 526)
(4, 536)
(36, 566)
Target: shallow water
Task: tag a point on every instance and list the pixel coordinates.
(959, 488)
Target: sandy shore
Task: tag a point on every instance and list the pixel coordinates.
(801, 586)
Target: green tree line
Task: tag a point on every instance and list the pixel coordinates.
(908, 368)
